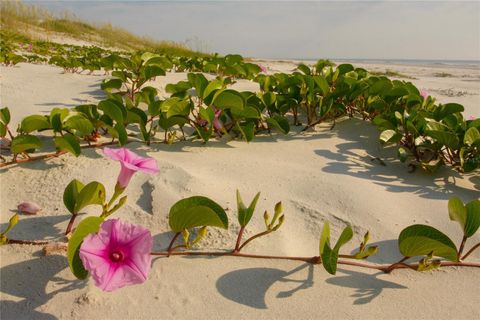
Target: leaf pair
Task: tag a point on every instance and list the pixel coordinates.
(328, 254)
(468, 216)
(245, 213)
(77, 195)
(196, 211)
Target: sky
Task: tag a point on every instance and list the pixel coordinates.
(431, 30)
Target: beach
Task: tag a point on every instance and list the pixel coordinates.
(326, 174)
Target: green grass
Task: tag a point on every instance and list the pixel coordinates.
(391, 73)
(23, 18)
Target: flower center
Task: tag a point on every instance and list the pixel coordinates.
(116, 256)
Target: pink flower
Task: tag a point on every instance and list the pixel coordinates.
(130, 163)
(118, 255)
(424, 93)
(263, 68)
(217, 124)
(29, 207)
(471, 118)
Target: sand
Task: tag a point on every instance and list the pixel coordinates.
(319, 176)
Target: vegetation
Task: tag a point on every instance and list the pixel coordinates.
(426, 134)
(29, 20)
(391, 73)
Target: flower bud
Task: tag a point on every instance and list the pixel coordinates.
(280, 222)
(266, 217)
(28, 207)
(278, 208)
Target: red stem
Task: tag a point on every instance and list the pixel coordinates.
(239, 239)
(258, 235)
(387, 268)
(52, 155)
(169, 249)
(32, 242)
(471, 250)
(70, 223)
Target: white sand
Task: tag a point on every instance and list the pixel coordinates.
(320, 176)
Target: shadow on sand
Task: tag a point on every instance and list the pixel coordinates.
(249, 286)
(28, 280)
(359, 156)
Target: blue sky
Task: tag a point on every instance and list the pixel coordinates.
(298, 29)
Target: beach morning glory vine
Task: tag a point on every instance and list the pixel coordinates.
(118, 253)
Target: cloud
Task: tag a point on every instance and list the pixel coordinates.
(294, 29)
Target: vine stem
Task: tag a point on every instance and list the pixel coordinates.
(386, 268)
(70, 224)
(258, 235)
(53, 155)
(169, 249)
(462, 246)
(471, 250)
(32, 242)
(239, 239)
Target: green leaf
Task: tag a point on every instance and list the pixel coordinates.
(473, 218)
(472, 136)
(420, 240)
(229, 99)
(25, 142)
(329, 259)
(268, 99)
(211, 87)
(153, 71)
(390, 136)
(325, 236)
(107, 85)
(68, 143)
(79, 123)
(199, 82)
(244, 213)
(34, 123)
(121, 133)
(346, 236)
(247, 130)
(280, 123)
(322, 84)
(70, 195)
(448, 139)
(92, 193)
(196, 211)
(304, 68)
(447, 109)
(12, 222)
(3, 130)
(457, 211)
(112, 110)
(87, 226)
(5, 115)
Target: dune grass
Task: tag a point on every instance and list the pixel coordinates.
(28, 20)
(391, 73)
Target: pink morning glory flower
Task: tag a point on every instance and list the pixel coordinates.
(471, 118)
(118, 255)
(130, 163)
(424, 93)
(263, 68)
